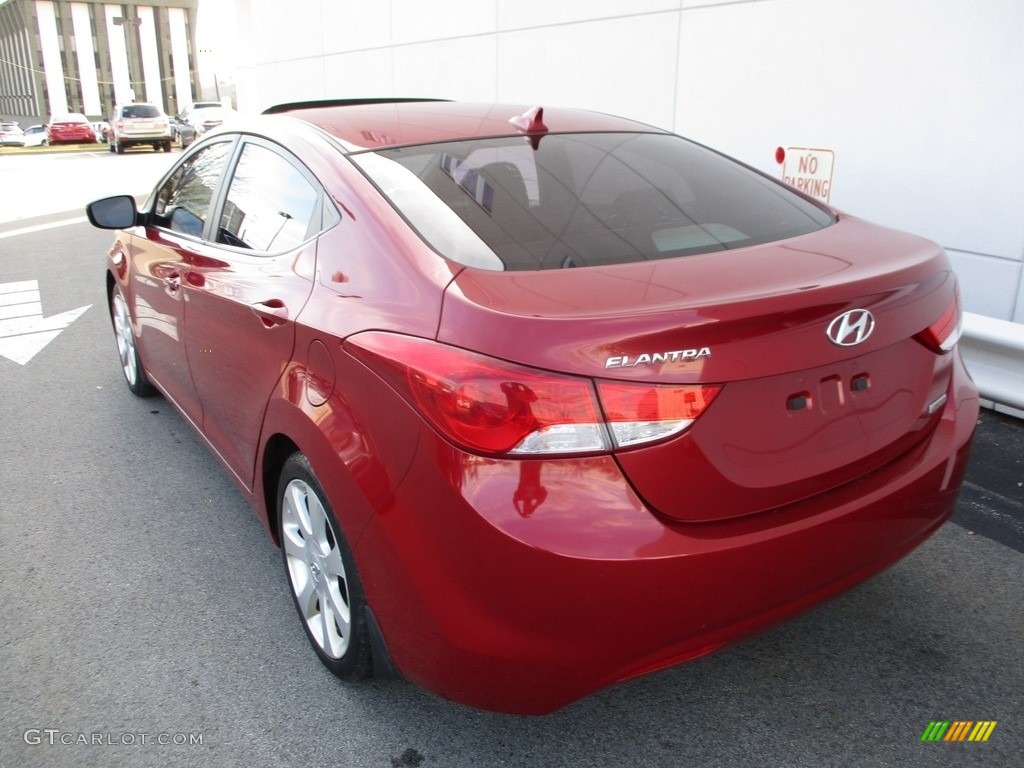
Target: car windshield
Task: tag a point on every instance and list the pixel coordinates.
(140, 111)
(573, 200)
(73, 118)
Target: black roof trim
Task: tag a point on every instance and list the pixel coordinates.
(278, 108)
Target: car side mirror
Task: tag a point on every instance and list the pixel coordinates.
(113, 212)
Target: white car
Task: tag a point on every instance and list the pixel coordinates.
(35, 136)
(11, 135)
(204, 116)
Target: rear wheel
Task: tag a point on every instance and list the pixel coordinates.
(321, 572)
(126, 347)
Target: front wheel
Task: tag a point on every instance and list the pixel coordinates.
(321, 573)
(126, 347)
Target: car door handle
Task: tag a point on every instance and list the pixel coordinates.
(272, 312)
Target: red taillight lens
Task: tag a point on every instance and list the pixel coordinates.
(484, 404)
(641, 413)
(942, 335)
(495, 407)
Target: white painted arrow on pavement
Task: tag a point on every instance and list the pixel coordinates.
(23, 329)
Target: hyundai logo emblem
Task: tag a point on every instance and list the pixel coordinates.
(851, 328)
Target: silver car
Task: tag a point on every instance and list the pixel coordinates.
(133, 124)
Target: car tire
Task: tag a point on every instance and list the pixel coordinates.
(167, 145)
(321, 572)
(127, 349)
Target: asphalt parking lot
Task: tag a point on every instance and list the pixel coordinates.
(992, 499)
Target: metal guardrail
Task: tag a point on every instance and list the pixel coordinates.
(993, 351)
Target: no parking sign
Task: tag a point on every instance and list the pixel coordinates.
(808, 170)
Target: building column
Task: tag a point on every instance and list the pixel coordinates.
(53, 65)
(123, 93)
(150, 56)
(91, 103)
(179, 57)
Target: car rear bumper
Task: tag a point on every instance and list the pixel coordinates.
(143, 138)
(520, 586)
(75, 139)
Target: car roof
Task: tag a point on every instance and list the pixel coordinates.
(378, 124)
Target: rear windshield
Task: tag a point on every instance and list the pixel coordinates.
(140, 110)
(579, 200)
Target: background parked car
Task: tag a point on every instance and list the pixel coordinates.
(183, 133)
(73, 128)
(11, 135)
(207, 119)
(196, 119)
(35, 136)
(133, 124)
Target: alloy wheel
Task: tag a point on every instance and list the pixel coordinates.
(316, 571)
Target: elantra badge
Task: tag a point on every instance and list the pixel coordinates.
(851, 328)
(657, 358)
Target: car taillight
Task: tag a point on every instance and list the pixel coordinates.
(942, 335)
(491, 406)
(642, 413)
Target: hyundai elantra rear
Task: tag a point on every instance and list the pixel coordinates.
(572, 399)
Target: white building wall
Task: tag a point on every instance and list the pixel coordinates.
(920, 100)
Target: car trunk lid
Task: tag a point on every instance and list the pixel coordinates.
(797, 414)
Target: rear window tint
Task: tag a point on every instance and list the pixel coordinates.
(584, 199)
(140, 111)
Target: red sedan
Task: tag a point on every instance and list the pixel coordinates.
(70, 129)
(534, 400)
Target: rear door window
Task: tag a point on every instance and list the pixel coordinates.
(271, 206)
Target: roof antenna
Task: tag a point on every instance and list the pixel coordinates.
(531, 122)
